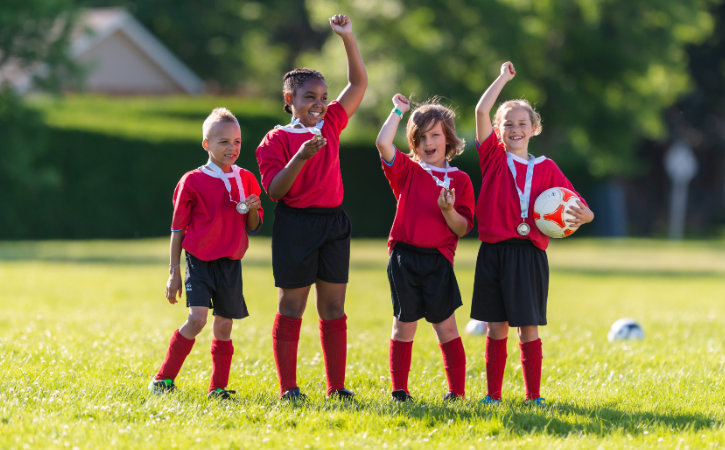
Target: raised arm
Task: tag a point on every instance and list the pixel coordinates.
(357, 76)
(483, 109)
(384, 142)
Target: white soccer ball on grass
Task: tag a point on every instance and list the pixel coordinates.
(624, 330)
(476, 328)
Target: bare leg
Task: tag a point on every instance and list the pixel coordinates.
(330, 299)
(447, 330)
(195, 322)
(222, 328)
(498, 330)
(292, 302)
(403, 331)
(528, 333)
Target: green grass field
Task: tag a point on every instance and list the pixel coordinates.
(84, 326)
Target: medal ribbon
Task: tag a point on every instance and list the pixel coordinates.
(525, 197)
(316, 130)
(446, 179)
(217, 172)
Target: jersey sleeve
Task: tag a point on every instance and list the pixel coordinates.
(184, 199)
(337, 116)
(466, 202)
(397, 171)
(251, 186)
(487, 149)
(272, 158)
(557, 179)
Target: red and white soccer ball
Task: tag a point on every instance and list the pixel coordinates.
(550, 212)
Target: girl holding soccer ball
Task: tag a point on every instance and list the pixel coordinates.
(512, 272)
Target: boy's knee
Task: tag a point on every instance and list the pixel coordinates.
(197, 323)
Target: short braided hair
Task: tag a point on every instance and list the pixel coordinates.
(295, 79)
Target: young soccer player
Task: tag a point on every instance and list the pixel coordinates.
(300, 167)
(512, 272)
(435, 209)
(213, 205)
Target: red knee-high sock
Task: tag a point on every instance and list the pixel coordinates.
(333, 335)
(221, 362)
(495, 365)
(454, 361)
(285, 339)
(531, 365)
(399, 359)
(179, 349)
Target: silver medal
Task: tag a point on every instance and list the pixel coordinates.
(243, 208)
(523, 229)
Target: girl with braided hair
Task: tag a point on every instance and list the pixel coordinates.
(300, 168)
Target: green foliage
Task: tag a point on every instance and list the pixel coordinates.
(38, 31)
(85, 327)
(601, 72)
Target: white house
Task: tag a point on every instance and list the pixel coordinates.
(122, 58)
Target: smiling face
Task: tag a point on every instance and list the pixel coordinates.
(516, 129)
(309, 101)
(223, 143)
(432, 147)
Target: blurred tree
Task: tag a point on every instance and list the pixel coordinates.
(231, 44)
(600, 71)
(34, 36)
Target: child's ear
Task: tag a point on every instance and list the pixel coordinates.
(205, 144)
(288, 98)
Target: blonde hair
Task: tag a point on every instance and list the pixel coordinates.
(218, 115)
(534, 115)
(425, 116)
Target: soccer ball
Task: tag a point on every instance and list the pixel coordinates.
(476, 328)
(550, 212)
(624, 330)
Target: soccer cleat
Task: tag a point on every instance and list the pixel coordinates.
(539, 402)
(294, 394)
(401, 396)
(487, 400)
(161, 386)
(342, 394)
(451, 397)
(220, 394)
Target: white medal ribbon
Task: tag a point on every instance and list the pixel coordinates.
(446, 179)
(316, 130)
(524, 197)
(217, 172)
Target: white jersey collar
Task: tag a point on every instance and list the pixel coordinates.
(521, 160)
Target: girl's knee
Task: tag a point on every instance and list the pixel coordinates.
(528, 333)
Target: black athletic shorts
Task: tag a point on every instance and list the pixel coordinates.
(216, 284)
(422, 284)
(511, 283)
(310, 244)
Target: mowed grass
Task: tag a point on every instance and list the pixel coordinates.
(84, 327)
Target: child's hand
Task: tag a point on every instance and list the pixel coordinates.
(582, 215)
(311, 147)
(401, 103)
(341, 24)
(446, 199)
(253, 202)
(507, 71)
(174, 287)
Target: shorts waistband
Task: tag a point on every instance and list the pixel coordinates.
(413, 248)
(313, 211)
(515, 241)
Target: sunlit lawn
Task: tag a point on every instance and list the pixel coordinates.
(84, 326)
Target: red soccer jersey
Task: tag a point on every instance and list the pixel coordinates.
(214, 228)
(319, 183)
(418, 219)
(498, 209)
